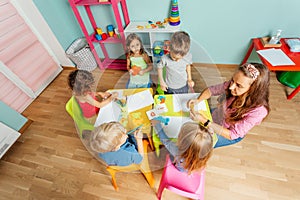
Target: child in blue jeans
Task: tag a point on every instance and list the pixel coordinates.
(194, 145)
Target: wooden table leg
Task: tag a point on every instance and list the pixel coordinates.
(290, 96)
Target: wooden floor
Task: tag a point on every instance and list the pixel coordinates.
(50, 162)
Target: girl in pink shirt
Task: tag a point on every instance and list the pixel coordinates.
(82, 84)
(244, 103)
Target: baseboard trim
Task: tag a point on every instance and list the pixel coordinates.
(25, 126)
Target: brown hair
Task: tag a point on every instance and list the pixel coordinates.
(129, 39)
(180, 43)
(81, 82)
(257, 95)
(106, 137)
(195, 146)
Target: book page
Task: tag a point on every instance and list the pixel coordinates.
(174, 125)
(180, 102)
(108, 113)
(139, 100)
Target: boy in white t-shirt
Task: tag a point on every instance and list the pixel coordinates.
(178, 65)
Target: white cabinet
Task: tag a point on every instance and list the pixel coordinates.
(150, 35)
(8, 136)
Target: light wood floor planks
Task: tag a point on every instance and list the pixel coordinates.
(50, 162)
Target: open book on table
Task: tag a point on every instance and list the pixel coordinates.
(133, 102)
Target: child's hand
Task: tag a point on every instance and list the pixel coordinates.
(130, 71)
(142, 72)
(191, 83)
(191, 103)
(138, 135)
(164, 86)
(105, 95)
(198, 117)
(154, 122)
(114, 95)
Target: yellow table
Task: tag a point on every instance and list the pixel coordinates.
(168, 100)
(138, 117)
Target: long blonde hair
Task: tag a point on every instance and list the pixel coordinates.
(195, 146)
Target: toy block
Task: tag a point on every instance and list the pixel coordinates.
(99, 31)
(110, 33)
(110, 28)
(104, 36)
(98, 37)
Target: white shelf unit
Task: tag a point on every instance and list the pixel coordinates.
(150, 35)
(8, 137)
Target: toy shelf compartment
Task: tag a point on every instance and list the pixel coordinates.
(152, 34)
(132, 27)
(109, 40)
(120, 12)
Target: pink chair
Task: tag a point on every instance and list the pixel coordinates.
(191, 186)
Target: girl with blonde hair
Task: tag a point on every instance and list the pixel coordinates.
(193, 148)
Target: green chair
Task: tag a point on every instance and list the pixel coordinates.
(74, 110)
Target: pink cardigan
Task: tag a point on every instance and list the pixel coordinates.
(240, 128)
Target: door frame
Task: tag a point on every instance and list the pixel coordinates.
(40, 28)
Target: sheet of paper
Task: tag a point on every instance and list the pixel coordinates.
(174, 125)
(151, 114)
(108, 113)
(139, 100)
(200, 106)
(180, 102)
(276, 57)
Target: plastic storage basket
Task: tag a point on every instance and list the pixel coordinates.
(79, 52)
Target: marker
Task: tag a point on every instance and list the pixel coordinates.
(107, 96)
(133, 130)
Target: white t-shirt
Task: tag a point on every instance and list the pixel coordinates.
(176, 75)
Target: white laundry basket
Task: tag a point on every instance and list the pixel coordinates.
(80, 53)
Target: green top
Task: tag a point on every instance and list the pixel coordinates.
(139, 79)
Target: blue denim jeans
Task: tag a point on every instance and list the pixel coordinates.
(184, 89)
(225, 142)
